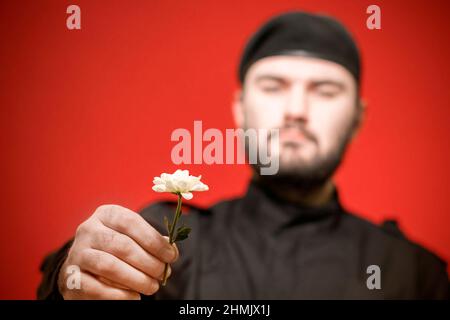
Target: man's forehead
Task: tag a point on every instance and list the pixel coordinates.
(297, 68)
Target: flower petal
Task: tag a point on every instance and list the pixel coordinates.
(159, 188)
(200, 187)
(170, 186)
(158, 180)
(187, 195)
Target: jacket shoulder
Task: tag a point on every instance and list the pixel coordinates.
(406, 258)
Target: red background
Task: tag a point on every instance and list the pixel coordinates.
(86, 115)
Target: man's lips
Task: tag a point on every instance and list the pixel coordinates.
(292, 137)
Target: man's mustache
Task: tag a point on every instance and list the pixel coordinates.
(300, 127)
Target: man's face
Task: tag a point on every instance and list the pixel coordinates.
(313, 104)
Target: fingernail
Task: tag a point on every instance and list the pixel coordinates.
(169, 271)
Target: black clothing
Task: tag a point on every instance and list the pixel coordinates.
(258, 247)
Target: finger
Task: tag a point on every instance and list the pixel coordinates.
(127, 250)
(132, 224)
(169, 272)
(106, 265)
(94, 289)
(177, 252)
(111, 283)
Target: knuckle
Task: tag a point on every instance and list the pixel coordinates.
(151, 241)
(158, 242)
(81, 229)
(118, 216)
(152, 287)
(103, 265)
(122, 247)
(131, 219)
(106, 238)
(87, 228)
(96, 262)
(85, 257)
(107, 211)
(126, 220)
(100, 210)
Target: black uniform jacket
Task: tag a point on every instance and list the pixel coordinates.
(259, 247)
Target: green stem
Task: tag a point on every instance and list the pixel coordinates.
(171, 235)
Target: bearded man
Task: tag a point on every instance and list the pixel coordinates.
(288, 237)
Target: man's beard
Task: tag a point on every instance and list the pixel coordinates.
(301, 175)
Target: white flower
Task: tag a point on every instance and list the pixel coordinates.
(179, 182)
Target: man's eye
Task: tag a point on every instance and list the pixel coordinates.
(270, 88)
(327, 92)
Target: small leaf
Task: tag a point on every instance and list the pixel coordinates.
(182, 233)
(167, 224)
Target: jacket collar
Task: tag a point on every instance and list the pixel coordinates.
(269, 211)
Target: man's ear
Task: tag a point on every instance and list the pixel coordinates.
(237, 109)
(360, 116)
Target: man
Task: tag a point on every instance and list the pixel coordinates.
(288, 237)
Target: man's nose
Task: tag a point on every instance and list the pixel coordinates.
(297, 104)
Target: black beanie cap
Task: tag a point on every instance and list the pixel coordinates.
(305, 34)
